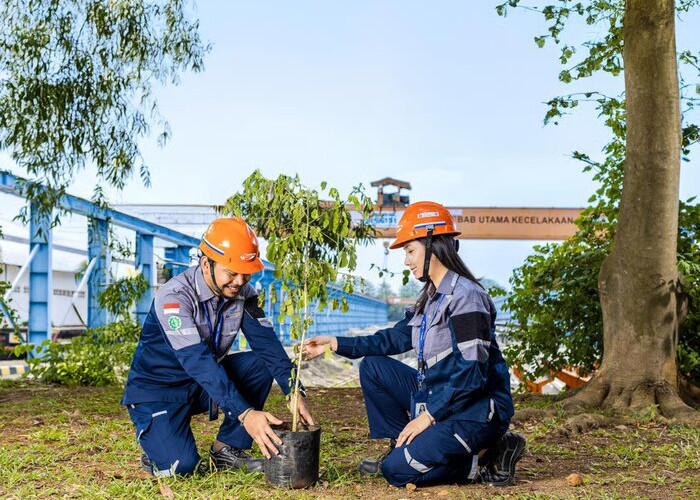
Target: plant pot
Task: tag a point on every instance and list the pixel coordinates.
(296, 466)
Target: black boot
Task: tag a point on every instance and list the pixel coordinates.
(500, 468)
(374, 467)
(234, 458)
(146, 463)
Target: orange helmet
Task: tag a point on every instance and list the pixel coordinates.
(232, 242)
(420, 216)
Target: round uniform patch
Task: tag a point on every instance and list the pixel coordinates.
(174, 322)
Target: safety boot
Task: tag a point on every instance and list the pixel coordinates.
(146, 463)
(234, 458)
(500, 467)
(374, 467)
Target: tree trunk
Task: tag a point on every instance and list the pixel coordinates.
(639, 282)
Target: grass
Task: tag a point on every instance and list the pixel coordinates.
(78, 443)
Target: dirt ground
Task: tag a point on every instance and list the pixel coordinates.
(63, 442)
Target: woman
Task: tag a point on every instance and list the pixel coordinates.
(456, 407)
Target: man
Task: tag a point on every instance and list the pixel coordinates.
(181, 367)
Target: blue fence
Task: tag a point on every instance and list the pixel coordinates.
(363, 311)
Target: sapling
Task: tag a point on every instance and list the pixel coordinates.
(310, 242)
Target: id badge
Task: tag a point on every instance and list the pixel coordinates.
(419, 403)
(213, 410)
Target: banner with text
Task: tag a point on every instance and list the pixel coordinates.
(495, 223)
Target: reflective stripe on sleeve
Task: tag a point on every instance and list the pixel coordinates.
(184, 337)
(433, 360)
(265, 322)
(475, 350)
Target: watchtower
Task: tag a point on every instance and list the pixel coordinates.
(394, 199)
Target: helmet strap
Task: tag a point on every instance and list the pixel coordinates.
(217, 290)
(428, 254)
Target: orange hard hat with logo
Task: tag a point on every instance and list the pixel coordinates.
(421, 216)
(232, 243)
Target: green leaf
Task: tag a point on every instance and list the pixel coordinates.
(316, 244)
(327, 354)
(77, 87)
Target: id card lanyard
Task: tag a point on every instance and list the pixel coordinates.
(421, 342)
(215, 333)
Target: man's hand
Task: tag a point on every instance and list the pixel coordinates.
(257, 424)
(314, 347)
(303, 410)
(414, 428)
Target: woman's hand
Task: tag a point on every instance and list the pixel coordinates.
(414, 428)
(315, 346)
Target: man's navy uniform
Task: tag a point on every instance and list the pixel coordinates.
(181, 363)
(466, 388)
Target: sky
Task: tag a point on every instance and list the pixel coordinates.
(446, 95)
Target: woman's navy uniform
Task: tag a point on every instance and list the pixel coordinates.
(466, 384)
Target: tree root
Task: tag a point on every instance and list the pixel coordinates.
(673, 407)
(689, 393)
(578, 424)
(589, 396)
(652, 399)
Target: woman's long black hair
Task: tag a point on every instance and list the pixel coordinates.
(444, 247)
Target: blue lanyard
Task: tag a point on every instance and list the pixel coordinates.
(219, 322)
(421, 341)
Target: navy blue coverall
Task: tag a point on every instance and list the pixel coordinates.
(466, 387)
(181, 363)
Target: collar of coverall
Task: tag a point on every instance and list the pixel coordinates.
(203, 291)
(447, 285)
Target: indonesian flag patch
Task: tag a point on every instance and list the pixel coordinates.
(173, 308)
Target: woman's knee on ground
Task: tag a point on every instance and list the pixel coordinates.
(397, 471)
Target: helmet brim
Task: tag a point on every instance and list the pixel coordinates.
(248, 267)
(397, 243)
(243, 267)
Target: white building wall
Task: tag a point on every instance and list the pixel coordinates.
(64, 286)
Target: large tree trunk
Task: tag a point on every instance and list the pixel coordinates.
(639, 282)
